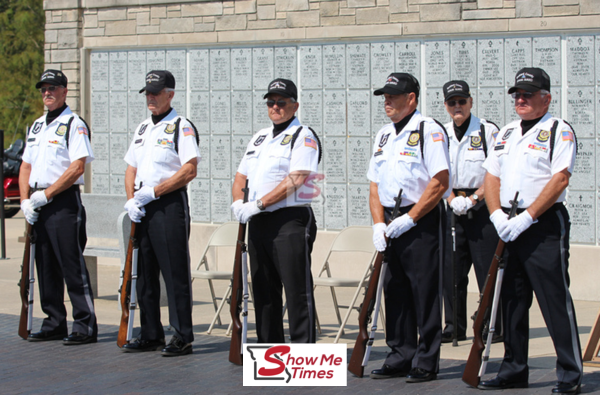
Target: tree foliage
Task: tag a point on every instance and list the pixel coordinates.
(21, 64)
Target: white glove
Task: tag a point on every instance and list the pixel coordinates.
(144, 196)
(519, 224)
(500, 220)
(30, 215)
(379, 236)
(236, 207)
(399, 226)
(135, 213)
(247, 211)
(38, 199)
(459, 205)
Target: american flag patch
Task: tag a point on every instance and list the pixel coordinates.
(437, 136)
(82, 130)
(309, 142)
(567, 136)
(188, 131)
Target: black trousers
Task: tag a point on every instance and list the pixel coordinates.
(538, 261)
(476, 242)
(279, 246)
(163, 236)
(60, 241)
(412, 288)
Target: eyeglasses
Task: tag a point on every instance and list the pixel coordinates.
(280, 103)
(49, 89)
(452, 103)
(524, 95)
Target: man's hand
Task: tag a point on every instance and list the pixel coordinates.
(460, 205)
(247, 211)
(379, 236)
(518, 225)
(236, 207)
(38, 199)
(135, 213)
(144, 196)
(30, 215)
(500, 220)
(399, 226)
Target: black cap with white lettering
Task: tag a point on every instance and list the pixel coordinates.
(157, 80)
(52, 77)
(456, 88)
(531, 79)
(283, 87)
(399, 83)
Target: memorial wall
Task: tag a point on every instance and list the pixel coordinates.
(220, 90)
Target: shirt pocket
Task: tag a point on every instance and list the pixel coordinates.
(279, 162)
(252, 162)
(409, 165)
(57, 152)
(537, 159)
(164, 152)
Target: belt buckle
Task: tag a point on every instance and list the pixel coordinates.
(462, 193)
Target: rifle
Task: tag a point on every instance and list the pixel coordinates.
(364, 341)
(474, 368)
(128, 289)
(454, 282)
(239, 292)
(26, 284)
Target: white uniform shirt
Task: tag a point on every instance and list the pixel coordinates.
(152, 151)
(269, 160)
(397, 162)
(467, 156)
(47, 152)
(523, 162)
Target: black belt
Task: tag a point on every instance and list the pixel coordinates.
(554, 207)
(72, 187)
(464, 192)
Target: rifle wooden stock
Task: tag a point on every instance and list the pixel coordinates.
(237, 291)
(471, 373)
(24, 284)
(126, 290)
(356, 359)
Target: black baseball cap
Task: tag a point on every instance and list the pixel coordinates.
(456, 88)
(157, 80)
(399, 83)
(52, 77)
(282, 87)
(531, 79)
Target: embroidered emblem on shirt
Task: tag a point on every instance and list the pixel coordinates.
(543, 136)
(475, 141)
(165, 143)
(62, 129)
(507, 133)
(309, 142)
(260, 140)
(286, 139)
(82, 130)
(142, 129)
(413, 139)
(495, 135)
(188, 132)
(170, 128)
(383, 140)
(567, 135)
(437, 136)
(36, 127)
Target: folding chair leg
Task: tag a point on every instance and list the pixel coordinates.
(317, 321)
(382, 315)
(214, 299)
(218, 312)
(336, 306)
(347, 316)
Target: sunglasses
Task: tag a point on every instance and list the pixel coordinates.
(524, 95)
(49, 89)
(280, 103)
(452, 103)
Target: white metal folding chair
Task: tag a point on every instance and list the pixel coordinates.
(354, 239)
(224, 236)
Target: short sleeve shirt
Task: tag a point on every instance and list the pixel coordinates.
(397, 162)
(523, 162)
(48, 152)
(269, 159)
(153, 153)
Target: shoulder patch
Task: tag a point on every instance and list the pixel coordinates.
(437, 136)
(543, 136)
(475, 141)
(286, 140)
(170, 128)
(62, 129)
(188, 131)
(413, 139)
(82, 130)
(310, 142)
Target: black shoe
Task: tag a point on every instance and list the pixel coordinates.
(418, 375)
(76, 338)
(177, 347)
(43, 336)
(500, 384)
(566, 388)
(141, 345)
(388, 372)
(447, 337)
